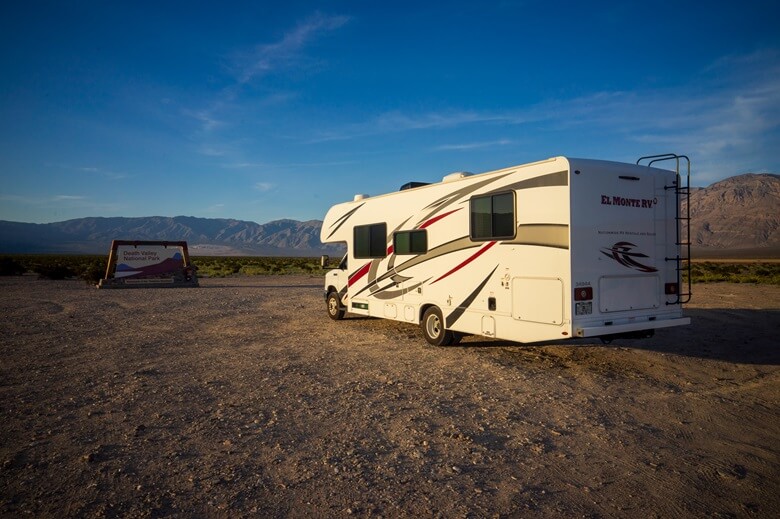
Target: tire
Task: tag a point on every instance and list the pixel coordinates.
(335, 309)
(433, 328)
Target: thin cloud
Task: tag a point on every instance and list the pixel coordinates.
(398, 121)
(730, 130)
(61, 206)
(218, 147)
(206, 118)
(263, 186)
(473, 145)
(269, 57)
(752, 66)
(244, 165)
(250, 65)
(41, 200)
(727, 119)
(93, 170)
(215, 208)
(285, 165)
(211, 151)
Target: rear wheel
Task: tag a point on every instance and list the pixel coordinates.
(335, 309)
(433, 328)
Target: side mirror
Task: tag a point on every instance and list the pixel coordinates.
(324, 261)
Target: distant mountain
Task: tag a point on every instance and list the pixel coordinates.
(738, 213)
(204, 236)
(736, 216)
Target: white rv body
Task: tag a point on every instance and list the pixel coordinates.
(550, 250)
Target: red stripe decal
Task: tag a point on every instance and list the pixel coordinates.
(390, 250)
(359, 274)
(469, 260)
(437, 218)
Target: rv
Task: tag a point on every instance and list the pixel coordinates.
(557, 249)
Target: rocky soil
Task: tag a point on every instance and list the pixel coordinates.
(241, 398)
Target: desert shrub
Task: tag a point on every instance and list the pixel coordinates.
(253, 270)
(54, 272)
(11, 267)
(222, 266)
(62, 266)
(93, 272)
(213, 271)
(736, 272)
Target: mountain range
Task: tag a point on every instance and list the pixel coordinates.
(738, 216)
(204, 236)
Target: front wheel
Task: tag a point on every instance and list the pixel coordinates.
(433, 328)
(335, 310)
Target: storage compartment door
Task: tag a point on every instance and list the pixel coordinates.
(538, 300)
(620, 293)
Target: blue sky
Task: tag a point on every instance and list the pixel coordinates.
(266, 110)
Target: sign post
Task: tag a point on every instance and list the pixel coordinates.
(136, 264)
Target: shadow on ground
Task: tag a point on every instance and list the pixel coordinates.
(731, 335)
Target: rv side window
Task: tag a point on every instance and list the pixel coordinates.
(493, 216)
(410, 242)
(370, 241)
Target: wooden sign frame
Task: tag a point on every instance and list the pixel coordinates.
(149, 264)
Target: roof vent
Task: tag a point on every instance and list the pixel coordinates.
(456, 176)
(412, 185)
(359, 197)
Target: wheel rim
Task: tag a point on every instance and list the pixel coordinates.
(333, 305)
(433, 326)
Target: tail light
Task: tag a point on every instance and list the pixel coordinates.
(671, 289)
(584, 298)
(583, 293)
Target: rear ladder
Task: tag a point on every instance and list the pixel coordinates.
(683, 221)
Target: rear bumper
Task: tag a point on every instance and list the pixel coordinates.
(598, 331)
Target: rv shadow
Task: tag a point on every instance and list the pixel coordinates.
(738, 336)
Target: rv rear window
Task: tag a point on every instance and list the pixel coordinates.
(410, 242)
(493, 216)
(371, 241)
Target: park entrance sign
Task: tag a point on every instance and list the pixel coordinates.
(136, 264)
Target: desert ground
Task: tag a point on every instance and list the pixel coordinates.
(242, 399)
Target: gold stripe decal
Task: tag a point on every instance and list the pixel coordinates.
(561, 178)
(542, 235)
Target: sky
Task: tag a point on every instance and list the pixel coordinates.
(267, 110)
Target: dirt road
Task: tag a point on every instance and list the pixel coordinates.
(241, 398)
